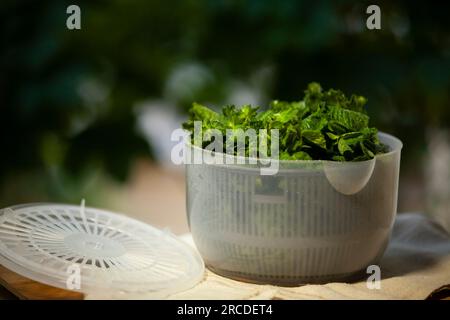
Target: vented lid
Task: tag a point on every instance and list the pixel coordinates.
(91, 250)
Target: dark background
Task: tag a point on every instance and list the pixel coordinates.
(81, 109)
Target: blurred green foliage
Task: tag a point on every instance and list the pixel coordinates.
(67, 97)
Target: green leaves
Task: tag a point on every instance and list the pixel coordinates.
(315, 137)
(343, 147)
(324, 125)
(351, 120)
(201, 112)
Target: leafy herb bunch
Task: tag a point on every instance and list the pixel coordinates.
(325, 125)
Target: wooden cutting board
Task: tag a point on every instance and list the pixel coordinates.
(24, 288)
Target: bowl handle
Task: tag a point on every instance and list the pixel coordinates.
(349, 177)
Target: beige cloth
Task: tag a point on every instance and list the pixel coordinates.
(416, 263)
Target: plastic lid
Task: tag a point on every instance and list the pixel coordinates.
(63, 246)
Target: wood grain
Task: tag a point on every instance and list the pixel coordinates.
(27, 289)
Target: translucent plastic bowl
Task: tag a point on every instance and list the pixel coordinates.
(312, 222)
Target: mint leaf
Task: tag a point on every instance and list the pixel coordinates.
(324, 125)
(351, 120)
(315, 137)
